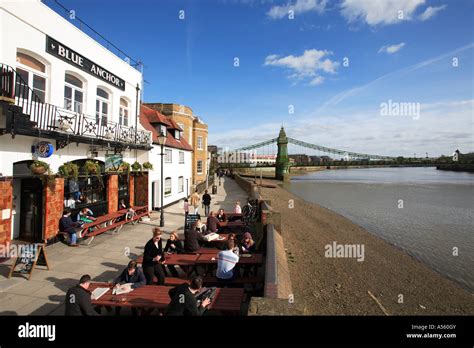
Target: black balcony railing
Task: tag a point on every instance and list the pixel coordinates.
(53, 118)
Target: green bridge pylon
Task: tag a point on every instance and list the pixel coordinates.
(282, 161)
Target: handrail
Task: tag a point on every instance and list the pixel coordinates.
(50, 117)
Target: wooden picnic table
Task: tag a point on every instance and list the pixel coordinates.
(176, 259)
(207, 258)
(156, 297)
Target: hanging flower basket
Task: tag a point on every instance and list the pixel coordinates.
(147, 166)
(124, 167)
(69, 171)
(91, 168)
(39, 168)
(136, 167)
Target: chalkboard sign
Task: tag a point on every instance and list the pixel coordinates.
(29, 256)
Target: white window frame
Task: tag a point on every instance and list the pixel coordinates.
(122, 110)
(197, 167)
(166, 187)
(199, 142)
(168, 156)
(180, 184)
(99, 113)
(181, 157)
(74, 88)
(31, 72)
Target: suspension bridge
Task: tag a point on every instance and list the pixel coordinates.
(283, 152)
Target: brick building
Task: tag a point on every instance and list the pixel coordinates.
(195, 131)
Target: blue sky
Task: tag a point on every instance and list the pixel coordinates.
(298, 62)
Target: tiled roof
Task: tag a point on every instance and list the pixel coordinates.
(149, 118)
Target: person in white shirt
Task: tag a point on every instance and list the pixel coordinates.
(70, 203)
(226, 261)
(237, 208)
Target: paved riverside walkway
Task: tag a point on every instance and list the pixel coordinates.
(107, 255)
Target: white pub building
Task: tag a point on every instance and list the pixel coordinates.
(67, 102)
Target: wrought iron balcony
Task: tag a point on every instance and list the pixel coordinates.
(53, 121)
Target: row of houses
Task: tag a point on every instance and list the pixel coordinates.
(65, 98)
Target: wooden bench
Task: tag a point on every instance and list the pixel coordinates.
(157, 297)
(140, 211)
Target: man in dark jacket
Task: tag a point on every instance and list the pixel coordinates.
(183, 300)
(132, 274)
(153, 259)
(191, 240)
(67, 225)
(78, 298)
(206, 201)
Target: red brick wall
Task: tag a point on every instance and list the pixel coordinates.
(6, 189)
(141, 189)
(112, 193)
(53, 207)
(131, 190)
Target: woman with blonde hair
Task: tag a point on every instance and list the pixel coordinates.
(153, 259)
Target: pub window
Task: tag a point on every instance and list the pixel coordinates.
(167, 186)
(86, 191)
(33, 72)
(102, 106)
(180, 184)
(181, 157)
(123, 187)
(199, 143)
(73, 94)
(123, 112)
(168, 156)
(199, 167)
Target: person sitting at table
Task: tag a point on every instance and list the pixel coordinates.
(174, 246)
(86, 215)
(247, 245)
(212, 222)
(78, 298)
(192, 239)
(226, 261)
(236, 250)
(67, 225)
(132, 274)
(153, 259)
(183, 299)
(221, 215)
(130, 212)
(237, 208)
(200, 227)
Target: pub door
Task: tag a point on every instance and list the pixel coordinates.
(31, 213)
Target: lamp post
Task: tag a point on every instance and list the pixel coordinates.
(161, 142)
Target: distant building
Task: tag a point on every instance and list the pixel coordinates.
(300, 159)
(194, 131)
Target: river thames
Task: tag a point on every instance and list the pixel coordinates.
(424, 211)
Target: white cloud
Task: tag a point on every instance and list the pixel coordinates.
(390, 49)
(431, 11)
(317, 81)
(382, 12)
(305, 66)
(298, 7)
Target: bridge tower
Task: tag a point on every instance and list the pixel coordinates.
(282, 160)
